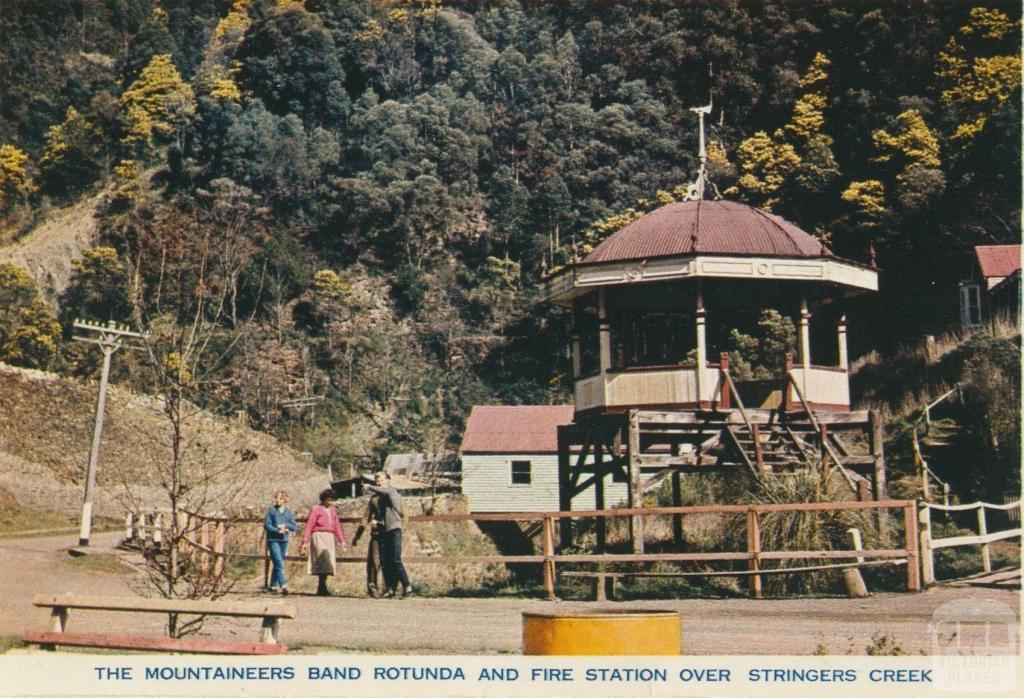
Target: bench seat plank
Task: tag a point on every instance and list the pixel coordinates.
(187, 606)
(162, 644)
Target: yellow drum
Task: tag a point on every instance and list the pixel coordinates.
(603, 633)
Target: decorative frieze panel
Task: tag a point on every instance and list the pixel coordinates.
(572, 282)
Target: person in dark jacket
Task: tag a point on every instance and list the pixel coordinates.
(279, 523)
(375, 524)
(391, 536)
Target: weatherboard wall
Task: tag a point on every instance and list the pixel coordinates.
(487, 484)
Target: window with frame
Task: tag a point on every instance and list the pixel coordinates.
(520, 472)
(970, 305)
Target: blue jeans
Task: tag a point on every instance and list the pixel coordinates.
(391, 560)
(278, 549)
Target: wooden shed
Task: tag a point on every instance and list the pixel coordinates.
(510, 460)
(992, 291)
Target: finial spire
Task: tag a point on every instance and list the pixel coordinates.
(696, 190)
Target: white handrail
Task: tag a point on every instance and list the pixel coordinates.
(926, 416)
(929, 545)
(957, 541)
(975, 505)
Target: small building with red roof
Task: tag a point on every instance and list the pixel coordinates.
(510, 459)
(993, 289)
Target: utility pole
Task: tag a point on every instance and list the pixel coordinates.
(110, 338)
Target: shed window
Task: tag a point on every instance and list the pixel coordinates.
(520, 472)
(970, 305)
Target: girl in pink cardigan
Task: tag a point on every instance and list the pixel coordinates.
(323, 528)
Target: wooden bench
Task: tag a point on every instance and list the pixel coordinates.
(61, 605)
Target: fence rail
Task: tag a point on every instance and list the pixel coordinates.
(206, 536)
(930, 544)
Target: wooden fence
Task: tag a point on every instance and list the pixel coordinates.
(202, 538)
(211, 536)
(929, 544)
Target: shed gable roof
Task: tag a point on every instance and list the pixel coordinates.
(997, 260)
(514, 428)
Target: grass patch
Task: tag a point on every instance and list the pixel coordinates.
(508, 590)
(105, 563)
(19, 520)
(9, 642)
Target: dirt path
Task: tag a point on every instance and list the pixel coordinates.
(490, 626)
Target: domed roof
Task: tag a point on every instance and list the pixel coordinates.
(707, 227)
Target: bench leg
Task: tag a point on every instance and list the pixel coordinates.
(59, 619)
(58, 623)
(268, 633)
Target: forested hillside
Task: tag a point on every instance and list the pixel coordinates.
(355, 199)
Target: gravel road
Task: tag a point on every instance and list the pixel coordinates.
(485, 626)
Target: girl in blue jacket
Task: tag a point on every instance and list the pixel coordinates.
(279, 523)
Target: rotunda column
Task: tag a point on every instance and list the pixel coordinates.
(805, 344)
(604, 331)
(844, 357)
(604, 335)
(702, 348)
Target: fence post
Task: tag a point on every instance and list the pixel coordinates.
(925, 536)
(877, 429)
(204, 541)
(754, 548)
(140, 528)
(638, 522)
(158, 529)
(548, 529)
(858, 543)
(261, 544)
(677, 501)
(910, 535)
(218, 548)
(854, 580)
(184, 522)
(986, 560)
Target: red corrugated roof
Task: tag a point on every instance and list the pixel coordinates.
(721, 227)
(998, 260)
(514, 429)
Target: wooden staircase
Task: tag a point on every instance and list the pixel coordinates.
(770, 448)
(932, 440)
